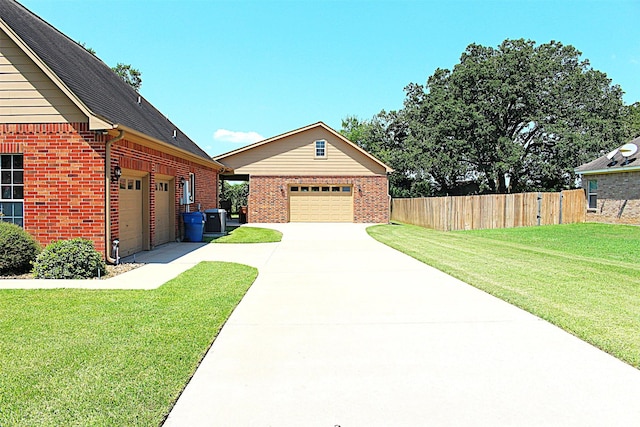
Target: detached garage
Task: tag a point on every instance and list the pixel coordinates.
(312, 174)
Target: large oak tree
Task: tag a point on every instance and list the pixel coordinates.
(532, 112)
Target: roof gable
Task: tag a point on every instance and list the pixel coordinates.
(292, 153)
(88, 81)
(27, 94)
(613, 162)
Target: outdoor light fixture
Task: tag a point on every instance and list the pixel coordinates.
(360, 190)
(182, 181)
(117, 173)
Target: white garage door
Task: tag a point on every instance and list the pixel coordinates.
(320, 203)
(131, 215)
(164, 212)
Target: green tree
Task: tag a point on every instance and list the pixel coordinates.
(533, 112)
(237, 194)
(131, 76)
(632, 121)
(385, 136)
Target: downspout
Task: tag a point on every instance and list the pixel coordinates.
(390, 200)
(107, 192)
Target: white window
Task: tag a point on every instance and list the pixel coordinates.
(12, 188)
(592, 193)
(321, 148)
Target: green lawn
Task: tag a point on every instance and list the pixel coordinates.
(74, 357)
(249, 235)
(584, 278)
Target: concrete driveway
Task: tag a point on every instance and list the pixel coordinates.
(339, 330)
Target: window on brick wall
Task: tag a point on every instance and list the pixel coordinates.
(11, 188)
(592, 193)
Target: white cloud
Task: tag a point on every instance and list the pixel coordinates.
(237, 137)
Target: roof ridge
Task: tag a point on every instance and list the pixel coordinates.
(267, 140)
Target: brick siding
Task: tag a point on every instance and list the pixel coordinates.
(64, 179)
(129, 155)
(269, 202)
(618, 198)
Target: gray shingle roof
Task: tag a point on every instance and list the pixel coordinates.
(617, 163)
(103, 92)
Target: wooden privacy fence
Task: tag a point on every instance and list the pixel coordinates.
(491, 211)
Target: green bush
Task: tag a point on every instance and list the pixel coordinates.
(69, 259)
(17, 249)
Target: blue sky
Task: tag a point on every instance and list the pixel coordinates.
(231, 72)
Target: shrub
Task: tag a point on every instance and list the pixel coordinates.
(17, 249)
(69, 259)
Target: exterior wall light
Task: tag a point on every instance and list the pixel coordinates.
(117, 173)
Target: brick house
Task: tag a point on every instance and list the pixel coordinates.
(82, 154)
(612, 185)
(312, 174)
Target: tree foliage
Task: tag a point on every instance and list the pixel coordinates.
(384, 136)
(533, 112)
(88, 49)
(237, 194)
(632, 116)
(131, 76)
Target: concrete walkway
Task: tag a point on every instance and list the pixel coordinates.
(339, 330)
(162, 264)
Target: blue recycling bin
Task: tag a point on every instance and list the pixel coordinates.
(193, 226)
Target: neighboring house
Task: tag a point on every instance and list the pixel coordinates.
(612, 185)
(312, 174)
(68, 127)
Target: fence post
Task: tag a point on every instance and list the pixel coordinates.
(560, 214)
(447, 204)
(539, 216)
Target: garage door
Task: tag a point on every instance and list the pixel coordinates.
(164, 212)
(131, 215)
(321, 203)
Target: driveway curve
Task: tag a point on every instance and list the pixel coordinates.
(340, 330)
